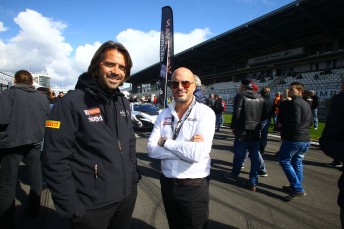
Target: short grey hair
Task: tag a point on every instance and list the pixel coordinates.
(197, 81)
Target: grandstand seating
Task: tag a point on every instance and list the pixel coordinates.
(315, 80)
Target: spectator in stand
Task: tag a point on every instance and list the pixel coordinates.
(255, 87)
(285, 98)
(247, 116)
(268, 103)
(294, 124)
(199, 92)
(23, 113)
(218, 109)
(265, 123)
(61, 94)
(307, 97)
(210, 100)
(50, 95)
(314, 107)
(277, 102)
(332, 142)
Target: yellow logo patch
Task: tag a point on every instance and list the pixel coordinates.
(53, 124)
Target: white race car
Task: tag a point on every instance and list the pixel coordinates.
(143, 115)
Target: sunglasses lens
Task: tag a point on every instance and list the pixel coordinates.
(174, 84)
(186, 84)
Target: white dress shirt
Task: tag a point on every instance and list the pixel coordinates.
(182, 158)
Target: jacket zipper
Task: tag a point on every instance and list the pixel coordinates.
(124, 173)
(95, 181)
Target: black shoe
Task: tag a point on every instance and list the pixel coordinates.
(294, 195)
(262, 174)
(286, 188)
(251, 187)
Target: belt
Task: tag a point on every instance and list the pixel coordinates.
(188, 181)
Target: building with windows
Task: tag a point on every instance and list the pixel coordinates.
(6, 81)
(41, 79)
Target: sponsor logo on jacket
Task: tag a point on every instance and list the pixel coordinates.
(52, 124)
(94, 115)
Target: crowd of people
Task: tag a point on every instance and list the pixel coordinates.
(89, 146)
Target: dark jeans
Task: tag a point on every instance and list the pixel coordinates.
(185, 206)
(10, 160)
(116, 215)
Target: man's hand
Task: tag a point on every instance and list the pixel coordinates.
(197, 138)
(162, 141)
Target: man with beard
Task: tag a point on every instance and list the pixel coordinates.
(182, 139)
(90, 146)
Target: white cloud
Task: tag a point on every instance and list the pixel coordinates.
(2, 27)
(40, 46)
(144, 47)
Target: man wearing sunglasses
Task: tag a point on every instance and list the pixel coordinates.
(182, 139)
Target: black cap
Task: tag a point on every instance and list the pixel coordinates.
(247, 83)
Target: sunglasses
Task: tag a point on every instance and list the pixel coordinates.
(185, 84)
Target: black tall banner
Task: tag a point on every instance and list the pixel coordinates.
(166, 53)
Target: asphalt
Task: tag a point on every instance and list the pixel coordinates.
(231, 204)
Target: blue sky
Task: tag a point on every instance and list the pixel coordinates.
(60, 37)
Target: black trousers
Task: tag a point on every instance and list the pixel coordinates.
(185, 206)
(10, 160)
(114, 216)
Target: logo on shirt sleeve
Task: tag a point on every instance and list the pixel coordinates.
(167, 121)
(52, 124)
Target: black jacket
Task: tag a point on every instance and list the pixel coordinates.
(268, 106)
(218, 107)
(90, 149)
(332, 138)
(248, 110)
(23, 111)
(295, 118)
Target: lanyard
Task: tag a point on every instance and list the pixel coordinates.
(180, 122)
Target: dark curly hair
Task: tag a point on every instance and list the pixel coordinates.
(93, 69)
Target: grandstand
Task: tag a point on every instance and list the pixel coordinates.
(302, 41)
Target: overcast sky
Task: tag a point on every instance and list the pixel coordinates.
(60, 37)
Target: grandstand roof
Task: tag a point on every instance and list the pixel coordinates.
(315, 24)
